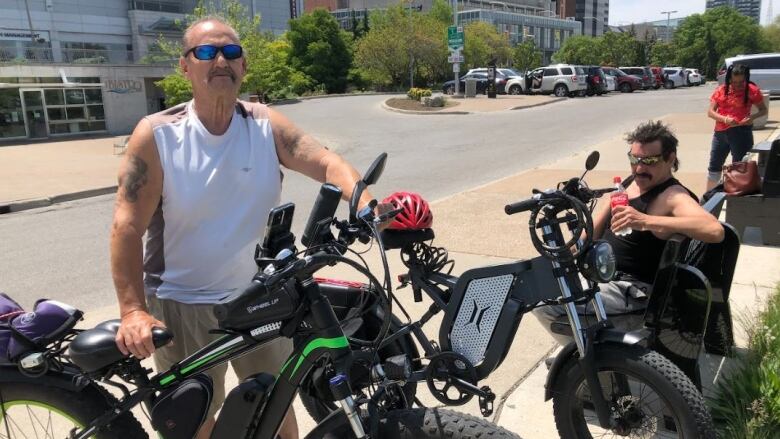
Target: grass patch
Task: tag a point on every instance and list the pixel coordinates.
(411, 104)
(746, 402)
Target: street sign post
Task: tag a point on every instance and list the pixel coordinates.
(455, 43)
(455, 37)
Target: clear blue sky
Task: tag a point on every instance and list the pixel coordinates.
(637, 11)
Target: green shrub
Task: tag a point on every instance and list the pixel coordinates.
(418, 93)
(746, 403)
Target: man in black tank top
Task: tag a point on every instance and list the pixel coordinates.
(659, 207)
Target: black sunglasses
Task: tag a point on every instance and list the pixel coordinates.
(207, 52)
(647, 161)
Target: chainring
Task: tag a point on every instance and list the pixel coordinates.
(441, 373)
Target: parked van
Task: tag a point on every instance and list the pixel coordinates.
(764, 70)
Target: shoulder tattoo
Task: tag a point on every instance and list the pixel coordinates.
(135, 178)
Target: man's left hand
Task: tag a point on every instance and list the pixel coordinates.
(627, 216)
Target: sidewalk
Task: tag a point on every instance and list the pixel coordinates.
(471, 225)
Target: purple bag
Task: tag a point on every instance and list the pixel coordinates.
(49, 321)
(8, 310)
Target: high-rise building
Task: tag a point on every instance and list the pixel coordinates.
(750, 8)
(593, 14)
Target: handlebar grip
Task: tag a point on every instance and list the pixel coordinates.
(521, 206)
(324, 207)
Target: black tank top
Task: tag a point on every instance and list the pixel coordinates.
(638, 253)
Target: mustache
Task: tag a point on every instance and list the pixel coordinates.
(644, 175)
(223, 71)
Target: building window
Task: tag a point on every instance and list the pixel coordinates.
(75, 110)
(11, 115)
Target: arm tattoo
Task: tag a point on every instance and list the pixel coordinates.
(291, 139)
(135, 177)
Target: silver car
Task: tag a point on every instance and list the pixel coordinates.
(764, 70)
(559, 79)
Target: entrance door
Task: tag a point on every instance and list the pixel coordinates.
(35, 114)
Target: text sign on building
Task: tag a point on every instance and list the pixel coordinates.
(122, 86)
(455, 37)
(20, 35)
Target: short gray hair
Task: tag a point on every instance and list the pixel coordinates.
(185, 37)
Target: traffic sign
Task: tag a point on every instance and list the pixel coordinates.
(455, 68)
(455, 37)
(455, 58)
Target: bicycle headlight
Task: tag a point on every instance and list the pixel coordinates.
(598, 262)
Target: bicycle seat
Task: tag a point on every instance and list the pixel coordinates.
(95, 349)
(393, 239)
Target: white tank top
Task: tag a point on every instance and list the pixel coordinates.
(217, 193)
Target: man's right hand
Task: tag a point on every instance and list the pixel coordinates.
(135, 333)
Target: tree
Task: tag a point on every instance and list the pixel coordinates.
(579, 49)
(441, 11)
(617, 49)
(772, 35)
(663, 54)
(526, 56)
(318, 48)
(270, 76)
(484, 43)
(176, 87)
(729, 31)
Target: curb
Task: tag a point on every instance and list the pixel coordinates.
(540, 104)
(48, 201)
(342, 95)
(427, 113)
(519, 107)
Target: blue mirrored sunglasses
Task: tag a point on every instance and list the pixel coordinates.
(207, 52)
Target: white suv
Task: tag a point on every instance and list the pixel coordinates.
(560, 79)
(764, 70)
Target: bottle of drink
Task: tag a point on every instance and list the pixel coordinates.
(619, 198)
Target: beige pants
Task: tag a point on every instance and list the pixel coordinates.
(190, 325)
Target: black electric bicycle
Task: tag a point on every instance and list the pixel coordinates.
(54, 391)
(643, 394)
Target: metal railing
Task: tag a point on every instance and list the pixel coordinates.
(46, 55)
(26, 55)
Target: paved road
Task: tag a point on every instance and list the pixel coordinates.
(62, 251)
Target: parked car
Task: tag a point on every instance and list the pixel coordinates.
(625, 83)
(482, 81)
(596, 80)
(559, 79)
(764, 70)
(502, 76)
(694, 78)
(643, 73)
(675, 77)
(660, 77)
(611, 82)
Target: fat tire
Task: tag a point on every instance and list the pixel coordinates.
(430, 423)
(655, 370)
(84, 406)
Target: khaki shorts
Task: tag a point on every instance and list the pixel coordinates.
(190, 325)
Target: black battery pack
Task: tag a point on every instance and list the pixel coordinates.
(243, 406)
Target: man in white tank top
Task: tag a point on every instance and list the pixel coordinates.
(199, 179)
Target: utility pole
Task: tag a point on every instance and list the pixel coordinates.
(668, 29)
(411, 54)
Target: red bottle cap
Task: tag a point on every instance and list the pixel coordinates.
(617, 180)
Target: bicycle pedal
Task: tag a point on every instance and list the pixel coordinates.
(486, 401)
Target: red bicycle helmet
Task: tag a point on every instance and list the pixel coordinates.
(416, 214)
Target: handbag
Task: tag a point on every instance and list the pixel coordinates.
(741, 178)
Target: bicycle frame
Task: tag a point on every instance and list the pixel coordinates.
(326, 340)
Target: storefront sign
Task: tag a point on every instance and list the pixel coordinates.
(122, 86)
(21, 35)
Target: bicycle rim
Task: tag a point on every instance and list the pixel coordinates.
(33, 419)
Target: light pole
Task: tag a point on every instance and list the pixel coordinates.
(411, 55)
(668, 29)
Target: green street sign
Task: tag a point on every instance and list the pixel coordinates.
(455, 37)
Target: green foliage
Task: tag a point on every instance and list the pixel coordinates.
(176, 87)
(703, 41)
(663, 54)
(772, 35)
(441, 11)
(746, 403)
(579, 50)
(400, 42)
(418, 93)
(526, 56)
(319, 48)
(484, 43)
(269, 74)
(617, 49)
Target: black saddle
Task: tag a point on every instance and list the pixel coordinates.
(94, 349)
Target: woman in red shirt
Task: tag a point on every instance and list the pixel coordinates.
(730, 106)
